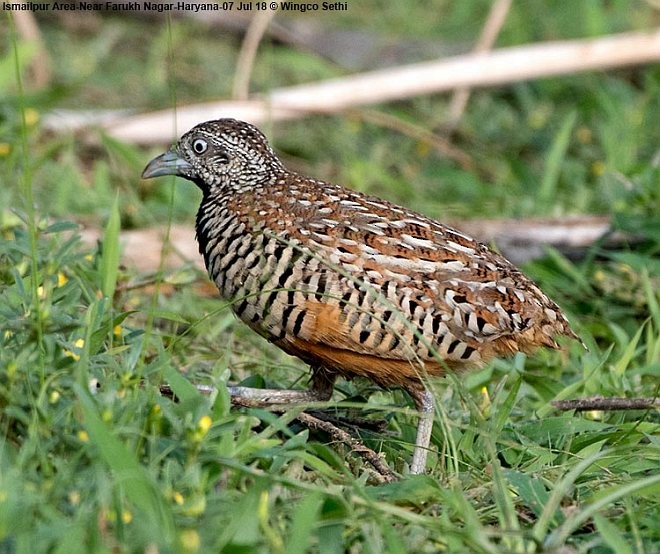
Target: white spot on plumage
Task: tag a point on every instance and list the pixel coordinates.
(488, 329)
(376, 204)
(414, 221)
(459, 248)
(417, 242)
(402, 277)
(454, 265)
(321, 236)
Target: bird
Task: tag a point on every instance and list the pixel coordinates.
(351, 284)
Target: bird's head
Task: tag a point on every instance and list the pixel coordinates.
(219, 154)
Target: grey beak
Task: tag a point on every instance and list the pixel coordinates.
(169, 163)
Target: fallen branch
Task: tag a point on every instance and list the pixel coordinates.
(520, 240)
(602, 403)
(506, 65)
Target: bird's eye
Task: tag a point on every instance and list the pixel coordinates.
(199, 146)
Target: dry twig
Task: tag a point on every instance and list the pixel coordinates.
(28, 29)
(496, 18)
(441, 145)
(337, 434)
(248, 53)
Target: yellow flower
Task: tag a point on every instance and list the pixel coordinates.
(72, 355)
(204, 424)
(31, 116)
(62, 279)
(12, 367)
(485, 404)
(126, 516)
(194, 506)
(190, 541)
(178, 498)
(5, 149)
(625, 268)
(83, 436)
(116, 331)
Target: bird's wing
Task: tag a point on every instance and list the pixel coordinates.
(395, 284)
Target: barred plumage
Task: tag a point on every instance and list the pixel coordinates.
(349, 283)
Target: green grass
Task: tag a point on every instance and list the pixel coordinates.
(93, 458)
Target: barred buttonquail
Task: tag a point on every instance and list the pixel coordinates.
(351, 284)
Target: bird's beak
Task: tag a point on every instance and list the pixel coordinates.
(169, 163)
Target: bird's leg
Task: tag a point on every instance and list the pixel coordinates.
(425, 403)
(320, 391)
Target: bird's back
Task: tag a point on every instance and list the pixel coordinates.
(360, 286)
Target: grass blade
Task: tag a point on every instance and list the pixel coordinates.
(555, 159)
(109, 263)
(611, 535)
(649, 486)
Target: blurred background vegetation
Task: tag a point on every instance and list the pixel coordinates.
(93, 460)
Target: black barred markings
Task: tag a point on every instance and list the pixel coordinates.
(311, 261)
